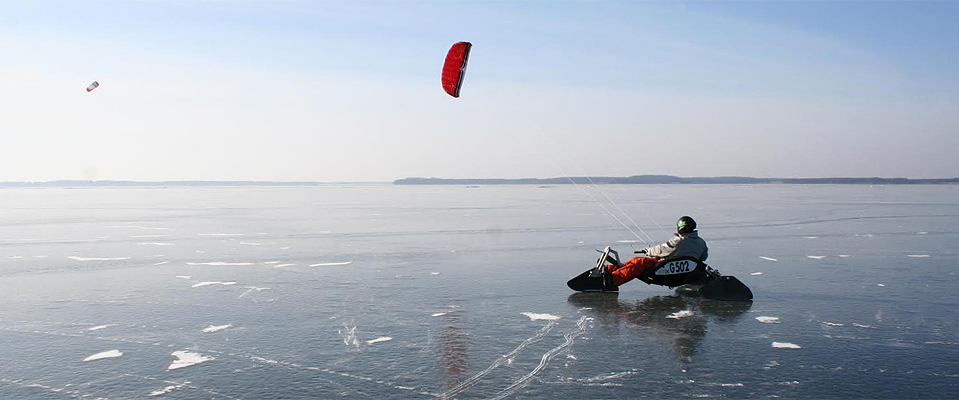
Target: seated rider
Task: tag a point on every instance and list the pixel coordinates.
(685, 243)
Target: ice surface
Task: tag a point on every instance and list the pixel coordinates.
(768, 320)
(156, 244)
(214, 328)
(105, 354)
(98, 258)
(250, 243)
(536, 317)
(510, 258)
(918, 255)
(187, 358)
(220, 234)
(680, 314)
(785, 345)
(161, 263)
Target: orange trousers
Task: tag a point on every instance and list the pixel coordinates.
(631, 269)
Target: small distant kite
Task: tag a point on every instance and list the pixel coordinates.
(455, 67)
(92, 86)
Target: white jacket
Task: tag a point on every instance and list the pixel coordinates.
(681, 245)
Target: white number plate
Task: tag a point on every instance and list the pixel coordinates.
(676, 267)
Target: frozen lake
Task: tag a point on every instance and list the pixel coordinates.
(381, 291)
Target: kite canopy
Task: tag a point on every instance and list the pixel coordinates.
(454, 69)
(92, 86)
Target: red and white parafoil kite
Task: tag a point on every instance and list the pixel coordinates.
(92, 86)
(455, 67)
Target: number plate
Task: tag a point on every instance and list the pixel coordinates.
(676, 267)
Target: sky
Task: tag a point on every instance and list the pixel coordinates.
(348, 91)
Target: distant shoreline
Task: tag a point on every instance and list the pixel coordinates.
(669, 179)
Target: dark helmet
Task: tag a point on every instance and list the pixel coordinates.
(685, 224)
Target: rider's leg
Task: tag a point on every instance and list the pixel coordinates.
(632, 269)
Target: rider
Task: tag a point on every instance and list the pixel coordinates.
(685, 243)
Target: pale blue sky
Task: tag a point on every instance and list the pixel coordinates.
(350, 91)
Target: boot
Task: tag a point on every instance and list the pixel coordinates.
(608, 281)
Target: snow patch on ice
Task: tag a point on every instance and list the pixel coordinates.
(756, 273)
(184, 276)
(168, 389)
(221, 263)
(844, 256)
(768, 320)
(220, 234)
(680, 314)
(202, 284)
(379, 339)
(434, 273)
(331, 264)
(816, 257)
(161, 263)
(768, 258)
(785, 345)
(283, 265)
(862, 326)
(832, 324)
(98, 327)
(156, 244)
(880, 285)
(439, 314)
(146, 228)
(810, 237)
(250, 243)
(921, 233)
(214, 328)
(918, 255)
(186, 358)
(98, 258)
(105, 354)
(535, 316)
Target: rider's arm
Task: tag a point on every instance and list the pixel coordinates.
(665, 249)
